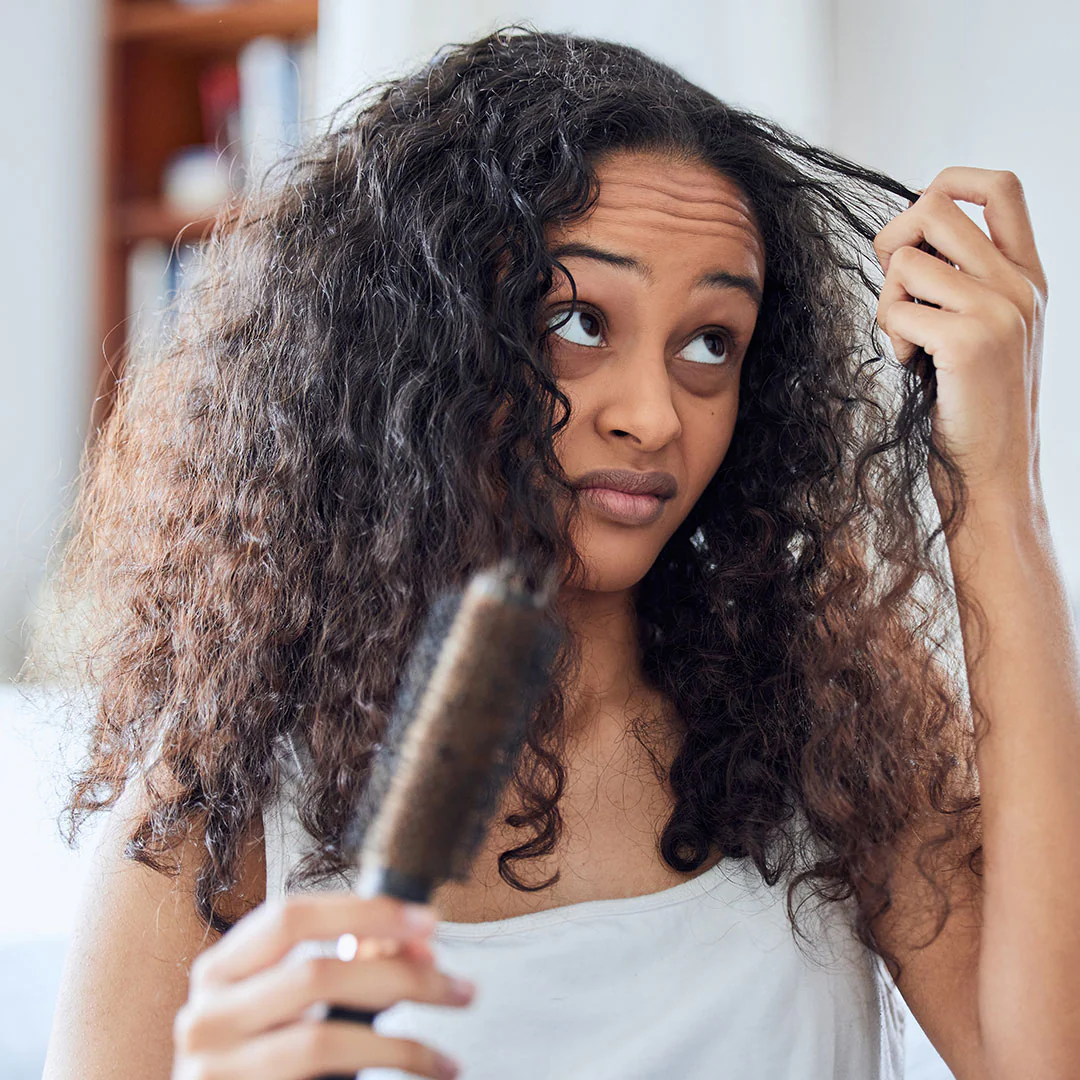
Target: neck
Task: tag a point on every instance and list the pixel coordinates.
(610, 687)
(610, 681)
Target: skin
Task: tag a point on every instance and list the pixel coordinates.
(652, 381)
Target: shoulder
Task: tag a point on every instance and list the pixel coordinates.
(136, 936)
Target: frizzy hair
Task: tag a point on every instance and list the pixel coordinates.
(356, 410)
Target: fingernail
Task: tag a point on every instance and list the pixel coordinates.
(420, 916)
(462, 989)
(448, 1068)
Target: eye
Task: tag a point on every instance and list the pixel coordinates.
(713, 347)
(577, 326)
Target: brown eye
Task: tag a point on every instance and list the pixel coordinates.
(577, 327)
(712, 347)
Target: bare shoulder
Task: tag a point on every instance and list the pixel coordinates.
(127, 968)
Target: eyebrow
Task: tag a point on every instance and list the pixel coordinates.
(714, 279)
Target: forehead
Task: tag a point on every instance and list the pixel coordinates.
(652, 204)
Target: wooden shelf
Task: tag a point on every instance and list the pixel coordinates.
(155, 53)
(150, 219)
(225, 25)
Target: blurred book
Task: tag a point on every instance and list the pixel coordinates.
(147, 274)
(159, 276)
(276, 94)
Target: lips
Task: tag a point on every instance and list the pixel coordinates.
(661, 484)
(630, 498)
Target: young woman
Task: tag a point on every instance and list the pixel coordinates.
(545, 297)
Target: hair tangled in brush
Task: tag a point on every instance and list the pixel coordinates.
(357, 411)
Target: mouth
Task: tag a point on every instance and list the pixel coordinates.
(628, 497)
(624, 508)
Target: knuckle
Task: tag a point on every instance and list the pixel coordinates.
(388, 909)
(315, 1041)
(935, 197)
(903, 257)
(1008, 181)
(315, 973)
(190, 1026)
(202, 967)
(291, 917)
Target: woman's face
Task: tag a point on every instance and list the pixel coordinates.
(669, 268)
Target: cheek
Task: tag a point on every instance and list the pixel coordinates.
(706, 439)
(568, 363)
(577, 396)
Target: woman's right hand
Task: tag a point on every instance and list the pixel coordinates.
(244, 1017)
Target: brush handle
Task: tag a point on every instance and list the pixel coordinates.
(379, 881)
(339, 1012)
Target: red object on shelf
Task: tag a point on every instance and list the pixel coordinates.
(219, 101)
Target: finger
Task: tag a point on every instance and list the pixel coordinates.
(379, 948)
(416, 949)
(909, 325)
(917, 275)
(332, 1047)
(284, 993)
(274, 928)
(1001, 195)
(372, 948)
(938, 220)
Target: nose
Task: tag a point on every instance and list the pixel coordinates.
(638, 403)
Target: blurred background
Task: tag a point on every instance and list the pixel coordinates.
(129, 120)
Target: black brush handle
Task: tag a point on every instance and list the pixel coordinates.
(339, 1012)
(379, 881)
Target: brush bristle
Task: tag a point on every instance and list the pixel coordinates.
(477, 671)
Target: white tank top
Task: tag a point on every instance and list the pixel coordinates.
(700, 981)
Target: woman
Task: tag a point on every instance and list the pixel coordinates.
(546, 297)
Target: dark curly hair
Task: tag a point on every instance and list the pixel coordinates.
(356, 410)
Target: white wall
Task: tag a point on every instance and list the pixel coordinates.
(994, 84)
(48, 189)
(771, 54)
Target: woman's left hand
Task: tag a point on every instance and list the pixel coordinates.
(985, 335)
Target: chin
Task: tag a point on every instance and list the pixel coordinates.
(620, 563)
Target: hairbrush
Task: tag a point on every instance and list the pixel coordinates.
(480, 666)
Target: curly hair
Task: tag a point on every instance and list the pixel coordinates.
(356, 410)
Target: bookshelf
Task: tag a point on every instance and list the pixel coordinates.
(157, 56)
